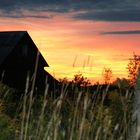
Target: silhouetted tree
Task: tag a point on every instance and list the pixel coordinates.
(122, 83)
(133, 65)
(64, 80)
(107, 75)
(80, 80)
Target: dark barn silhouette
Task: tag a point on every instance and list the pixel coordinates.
(18, 55)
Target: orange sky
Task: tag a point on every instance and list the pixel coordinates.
(71, 46)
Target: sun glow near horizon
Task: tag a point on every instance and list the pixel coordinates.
(65, 60)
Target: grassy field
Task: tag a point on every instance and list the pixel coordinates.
(73, 115)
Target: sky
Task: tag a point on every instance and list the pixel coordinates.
(78, 35)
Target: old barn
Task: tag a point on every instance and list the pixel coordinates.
(18, 55)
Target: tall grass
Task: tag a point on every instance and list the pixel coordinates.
(78, 117)
(76, 114)
(73, 115)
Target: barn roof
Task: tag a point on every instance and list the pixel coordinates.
(9, 40)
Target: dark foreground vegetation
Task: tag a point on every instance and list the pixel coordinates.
(99, 112)
(76, 110)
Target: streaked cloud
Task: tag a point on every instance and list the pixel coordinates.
(111, 15)
(121, 32)
(26, 16)
(108, 10)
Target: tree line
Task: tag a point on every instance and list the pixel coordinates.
(132, 70)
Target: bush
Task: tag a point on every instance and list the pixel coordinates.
(7, 130)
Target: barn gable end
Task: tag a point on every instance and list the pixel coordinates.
(18, 55)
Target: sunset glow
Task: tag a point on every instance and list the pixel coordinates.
(71, 44)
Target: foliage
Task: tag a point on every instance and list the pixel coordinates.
(122, 83)
(7, 130)
(46, 117)
(107, 75)
(9, 99)
(121, 108)
(82, 118)
(8, 123)
(80, 80)
(132, 68)
(64, 80)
